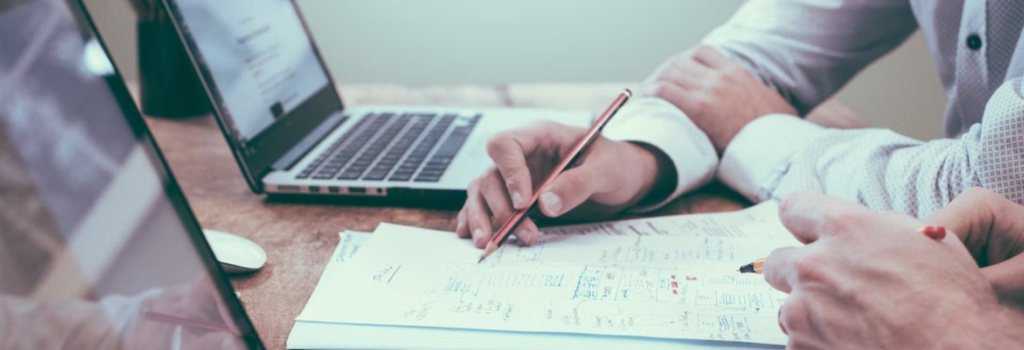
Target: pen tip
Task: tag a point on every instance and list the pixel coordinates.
(481, 259)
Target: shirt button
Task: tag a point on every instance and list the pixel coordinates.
(974, 42)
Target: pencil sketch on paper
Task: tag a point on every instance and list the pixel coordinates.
(670, 277)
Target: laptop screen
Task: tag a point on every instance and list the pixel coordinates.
(257, 54)
(263, 74)
(98, 249)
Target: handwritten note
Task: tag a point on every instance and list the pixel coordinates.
(670, 277)
(349, 244)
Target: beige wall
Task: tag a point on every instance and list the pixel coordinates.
(498, 41)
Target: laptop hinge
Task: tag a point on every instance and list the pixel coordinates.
(308, 143)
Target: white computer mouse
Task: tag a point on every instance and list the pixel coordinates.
(235, 254)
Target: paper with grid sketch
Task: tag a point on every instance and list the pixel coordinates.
(668, 277)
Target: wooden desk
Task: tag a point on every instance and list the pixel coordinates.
(299, 239)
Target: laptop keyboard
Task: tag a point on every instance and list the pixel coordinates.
(394, 147)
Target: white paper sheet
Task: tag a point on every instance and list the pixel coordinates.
(314, 336)
(671, 277)
(317, 335)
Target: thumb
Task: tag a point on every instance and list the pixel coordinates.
(1007, 279)
(986, 222)
(569, 190)
(968, 213)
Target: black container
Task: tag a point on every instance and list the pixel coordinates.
(168, 83)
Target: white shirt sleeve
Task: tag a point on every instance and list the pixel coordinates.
(659, 124)
(761, 151)
(778, 154)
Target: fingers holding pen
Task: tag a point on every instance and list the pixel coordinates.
(499, 203)
(478, 216)
(509, 150)
(487, 207)
(568, 191)
(461, 229)
(811, 216)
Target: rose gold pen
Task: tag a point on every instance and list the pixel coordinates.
(577, 150)
(172, 319)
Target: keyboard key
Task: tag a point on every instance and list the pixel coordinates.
(383, 167)
(350, 175)
(439, 161)
(410, 165)
(453, 143)
(425, 178)
(375, 175)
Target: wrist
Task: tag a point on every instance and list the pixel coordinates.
(658, 174)
(993, 327)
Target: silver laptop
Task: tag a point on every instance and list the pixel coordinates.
(290, 131)
(98, 247)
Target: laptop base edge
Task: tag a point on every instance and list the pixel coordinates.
(404, 197)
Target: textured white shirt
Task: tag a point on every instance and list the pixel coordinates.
(808, 49)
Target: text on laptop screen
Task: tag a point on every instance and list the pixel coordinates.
(94, 252)
(259, 57)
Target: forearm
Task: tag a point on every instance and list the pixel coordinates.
(883, 170)
(808, 50)
(684, 156)
(877, 168)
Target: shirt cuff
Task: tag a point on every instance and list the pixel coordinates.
(760, 154)
(659, 124)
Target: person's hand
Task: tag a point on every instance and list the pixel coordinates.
(992, 228)
(871, 281)
(610, 177)
(720, 96)
(197, 301)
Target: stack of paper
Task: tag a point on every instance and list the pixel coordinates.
(656, 283)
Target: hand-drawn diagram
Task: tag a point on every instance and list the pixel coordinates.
(671, 277)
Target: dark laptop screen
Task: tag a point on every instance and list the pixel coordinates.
(263, 74)
(258, 56)
(98, 249)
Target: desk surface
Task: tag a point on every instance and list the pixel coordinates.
(299, 239)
